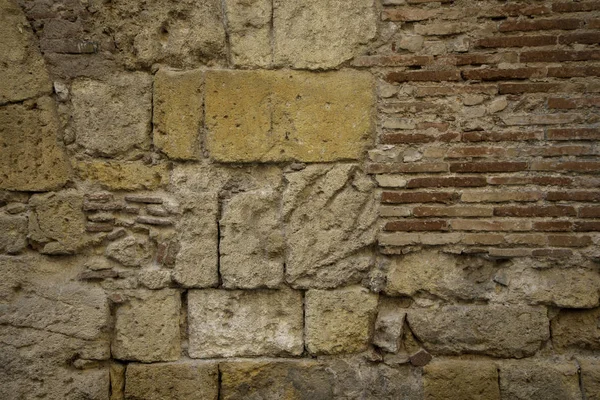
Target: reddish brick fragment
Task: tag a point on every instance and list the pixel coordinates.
(416, 225)
(493, 74)
(423, 76)
(488, 167)
(553, 226)
(569, 241)
(559, 55)
(540, 25)
(516, 41)
(451, 181)
(418, 197)
(534, 211)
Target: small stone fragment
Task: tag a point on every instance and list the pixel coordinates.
(153, 221)
(129, 251)
(420, 358)
(143, 199)
(389, 324)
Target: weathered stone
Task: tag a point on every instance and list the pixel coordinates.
(182, 380)
(57, 223)
(339, 321)
(330, 217)
(117, 381)
(129, 251)
(389, 324)
(147, 327)
(494, 330)
(154, 278)
(178, 113)
(117, 175)
(273, 380)
(251, 247)
(14, 234)
(320, 35)
(113, 117)
(227, 323)
(460, 380)
(31, 158)
(288, 115)
(590, 378)
(550, 380)
(24, 74)
(420, 358)
(249, 26)
(577, 328)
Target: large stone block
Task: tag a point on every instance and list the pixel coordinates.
(120, 175)
(590, 378)
(461, 380)
(178, 113)
(113, 117)
(249, 25)
(577, 328)
(228, 323)
(251, 247)
(147, 327)
(496, 330)
(31, 158)
(14, 233)
(339, 321)
(288, 115)
(182, 381)
(321, 34)
(330, 215)
(548, 380)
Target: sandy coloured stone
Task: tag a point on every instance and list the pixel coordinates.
(180, 380)
(459, 380)
(548, 380)
(31, 158)
(115, 116)
(117, 381)
(147, 327)
(389, 324)
(288, 115)
(235, 323)
(13, 238)
(178, 113)
(121, 175)
(251, 246)
(339, 321)
(130, 251)
(495, 330)
(321, 34)
(249, 26)
(590, 378)
(577, 328)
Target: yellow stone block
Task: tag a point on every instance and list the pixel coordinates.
(120, 175)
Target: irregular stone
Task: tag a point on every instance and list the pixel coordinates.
(154, 278)
(117, 381)
(147, 327)
(494, 330)
(230, 323)
(339, 321)
(129, 251)
(590, 378)
(113, 117)
(577, 328)
(182, 380)
(117, 175)
(321, 35)
(420, 358)
(57, 223)
(178, 113)
(330, 216)
(288, 115)
(548, 380)
(31, 158)
(14, 234)
(389, 324)
(251, 247)
(459, 380)
(249, 27)
(24, 74)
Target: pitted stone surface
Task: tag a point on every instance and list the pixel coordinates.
(249, 23)
(524, 380)
(118, 175)
(14, 233)
(459, 380)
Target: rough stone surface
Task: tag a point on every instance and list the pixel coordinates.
(249, 23)
(495, 330)
(251, 247)
(329, 214)
(14, 234)
(117, 381)
(227, 323)
(181, 380)
(178, 113)
(577, 328)
(288, 115)
(389, 324)
(321, 35)
(147, 327)
(31, 158)
(459, 380)
(339, 321)
(590, 378)
(129, 251)
(113, 117)
(124, 175)
(524, 380)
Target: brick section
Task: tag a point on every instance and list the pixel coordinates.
(535, 211)
(474, 181)
(426, 76)
(418, 197)
(574, 134)
(416, 225)
(541, 25)
(517, 41)
(489, 74)
(489, 167)
(559, 55)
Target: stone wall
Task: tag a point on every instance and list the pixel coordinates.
(267, 199)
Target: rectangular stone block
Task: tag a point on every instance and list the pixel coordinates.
(577, 328)
(460, 380)
(232, 323)
(122, 175)
(288, 115)
(548, 380)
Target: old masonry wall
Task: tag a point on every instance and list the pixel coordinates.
(268, 199)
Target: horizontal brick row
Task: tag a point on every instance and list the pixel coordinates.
(491, 225)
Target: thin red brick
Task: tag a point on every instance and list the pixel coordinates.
(559, 55)
(488, 167)
(589, 212)
(586, 226)
(394, 168)
(553, 226)
(489, 225)
(418, 197)
(573, 196)
(580, 37)
(569, 241)
(540, 25)
(517, 88)
(452, 212)
(502, 136)
(516, 41)
(572, 103)
(395, 60)
(493, 74)
(573, 134)
(576, 7)
(526, 180)
(534, 211)
(451, 181)
(416, 225)
(423, 76)
(573, 72)
(569, 166)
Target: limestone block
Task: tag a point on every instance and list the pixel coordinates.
(24, 74)
(117, 381)
(113, 117)
(178, 113)
(524, 380)
(31, 158)
(496, 330)
(460, 380)
(129, 251)
(251, 247)
(577, 328)
(321, 34)
(249, 25)
(147, 327)
(590, 378)
(389, 324)
(288, 115)
(330, 216)
(120, 175)
(181, 380)
(13, 238)
(229, 323)
(339, 321)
